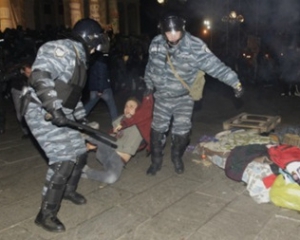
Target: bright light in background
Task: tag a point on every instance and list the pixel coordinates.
(233, 17)
(207, 24)
(232, 14)
(206, 30)
(160, 1)
(245, 55)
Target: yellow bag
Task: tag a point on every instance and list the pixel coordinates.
(285, 195)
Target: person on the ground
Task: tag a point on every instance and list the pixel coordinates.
(99, 86)
(188, 55)
(56, 82)
(132, 130)
(17, 84)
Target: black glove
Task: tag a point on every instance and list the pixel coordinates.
(59, 118)
(238, 90)
(83, 121)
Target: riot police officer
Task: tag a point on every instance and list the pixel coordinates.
(188, 55)
(57, 80)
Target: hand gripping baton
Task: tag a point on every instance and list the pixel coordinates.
(95, 133)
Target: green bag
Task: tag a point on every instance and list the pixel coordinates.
(196, 90)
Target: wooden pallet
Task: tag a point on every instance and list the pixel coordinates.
(245, 120)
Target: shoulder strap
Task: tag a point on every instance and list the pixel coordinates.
(176, 74)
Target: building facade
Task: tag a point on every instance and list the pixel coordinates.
(122, 15)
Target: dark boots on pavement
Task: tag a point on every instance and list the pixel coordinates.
(70, 193)
(55, 188)
(157, 145)
(62, 185)
(179, 144)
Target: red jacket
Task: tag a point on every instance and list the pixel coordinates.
(142, 119)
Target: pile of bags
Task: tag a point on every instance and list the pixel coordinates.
(269, 167)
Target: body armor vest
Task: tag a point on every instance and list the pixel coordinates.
(70, 92)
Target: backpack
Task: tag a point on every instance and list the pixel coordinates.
(284, 154)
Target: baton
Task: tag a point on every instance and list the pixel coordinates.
(97, 134)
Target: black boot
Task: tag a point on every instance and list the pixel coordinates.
(157, 145)
(179, 143)
(48, 220)
(70, 193)
(47, 217)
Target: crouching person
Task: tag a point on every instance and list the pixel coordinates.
(132, 130)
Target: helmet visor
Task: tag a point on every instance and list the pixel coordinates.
(103, 43)
(172, 24)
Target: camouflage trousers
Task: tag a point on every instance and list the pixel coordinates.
(176, 110)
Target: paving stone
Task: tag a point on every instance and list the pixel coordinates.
(222, 187)
(111, 195)
(197, 171)
(247, 205)
(22, 185)
(17, 167)
(6, 144)
(280, 227)
(241, 219)
(18, 211)
(160, 196)
(73, 215)
(288, 214)
(17, 153)
(109, 226)
(183, 217)
(138, 181)
(18, 233)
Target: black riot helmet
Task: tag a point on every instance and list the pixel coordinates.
(91, 34)
(172, 23)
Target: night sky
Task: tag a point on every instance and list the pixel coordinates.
(262, 17)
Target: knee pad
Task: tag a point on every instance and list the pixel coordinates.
(157, 138)
(61, 171)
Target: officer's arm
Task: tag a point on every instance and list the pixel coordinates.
(44, 70)
(148, 76)
(213, 66)
(79, 112)
(44, 86)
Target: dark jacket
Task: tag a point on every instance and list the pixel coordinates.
(98, 79)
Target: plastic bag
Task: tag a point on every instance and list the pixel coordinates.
(284, 194)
